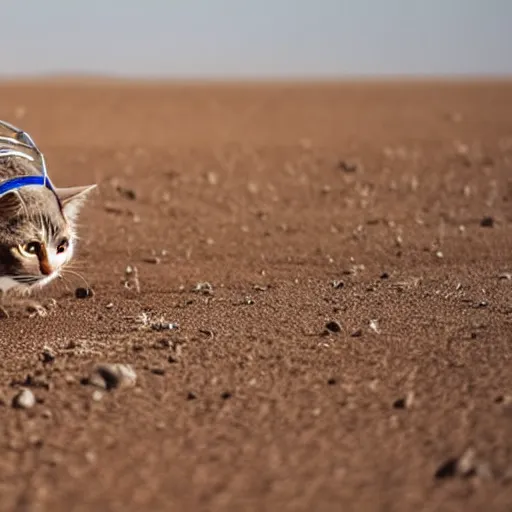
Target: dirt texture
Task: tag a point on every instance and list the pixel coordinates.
(308, 289)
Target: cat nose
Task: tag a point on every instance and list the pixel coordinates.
(46, 269)
(44, 265)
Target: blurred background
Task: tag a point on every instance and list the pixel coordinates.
(218, 39)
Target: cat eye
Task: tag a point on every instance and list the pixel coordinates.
(62, 246)
(31, 249)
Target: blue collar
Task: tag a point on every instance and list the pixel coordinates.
(23, 140)
(25, 181)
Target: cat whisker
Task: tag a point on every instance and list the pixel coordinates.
(80, 276)
(65, 282)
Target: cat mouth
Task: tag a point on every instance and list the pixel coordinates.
(34, 281)
(26, 280)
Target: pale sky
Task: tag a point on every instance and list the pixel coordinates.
(256, 38)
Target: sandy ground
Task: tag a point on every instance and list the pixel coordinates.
(337, 260)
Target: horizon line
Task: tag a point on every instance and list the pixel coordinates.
(120, 78)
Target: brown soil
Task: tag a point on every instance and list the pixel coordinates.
(357, 206)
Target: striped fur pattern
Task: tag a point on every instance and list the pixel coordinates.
(37, 236)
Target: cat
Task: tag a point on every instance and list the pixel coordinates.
(37, 228)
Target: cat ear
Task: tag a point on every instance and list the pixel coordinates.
(10, 204)
(72, 199)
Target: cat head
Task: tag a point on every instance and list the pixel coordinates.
(37, 234)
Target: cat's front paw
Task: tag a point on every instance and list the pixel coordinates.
(25, 308)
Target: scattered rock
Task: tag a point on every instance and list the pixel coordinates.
(83, 293)
(374, 326)
(333, 326)
(164, 326)
(348, 166)
(97, 395)
(163, 343)
(113, 208)
(131, 278)
(110, 376)
(127, 193)
(338, 285)
(331, 381)
(384, 275)
(191, 396)
(405, 402)
(204, 288)
(25, 399)
(448, 469)
(47, 355)
(154, 260)
(357, 333)
(158, 371)
(465, 466)
(487, 222)
(33, 381)
(226, 395)
(503, 399)
(34, 310)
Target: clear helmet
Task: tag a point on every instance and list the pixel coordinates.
(17, 143)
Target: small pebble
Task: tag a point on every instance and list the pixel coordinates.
(487, 222)
(357, 333)
(348, 166)
(374, 326)
(110, 376)
(466, 465)
(405, 402)
(205, 288)
(164, 326)
(338, 284)
(97, 395)
(36, 310)
(83, 293)
(155, 260)
(467, 462)
(128, 193)
(226, 395)
(191, 396)
(25, 399)
(333, 326)
(47, 355)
